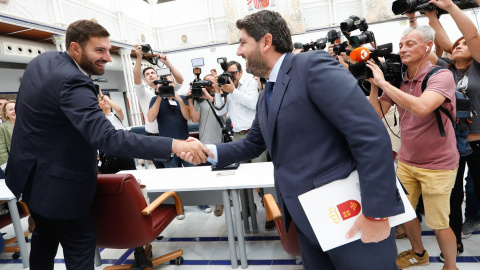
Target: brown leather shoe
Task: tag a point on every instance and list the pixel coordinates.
(218, 210)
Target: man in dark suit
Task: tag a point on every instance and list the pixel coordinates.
(318, 127)
(53, 159)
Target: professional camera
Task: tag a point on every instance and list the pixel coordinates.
(391, 68)
(223, 78)
(353, 23)
(362, 38)
(165, 89)
(319, 44)
(339, 48)
(198, 84)
(333, 35)
(409, 6)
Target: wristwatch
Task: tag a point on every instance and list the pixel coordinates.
(376, 219)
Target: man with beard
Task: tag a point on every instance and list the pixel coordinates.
(53, 158)
(318, 127)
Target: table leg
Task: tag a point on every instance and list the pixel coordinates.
(17, 226)
(243, 201)
(238, 225)
(98, 258)
(231, 235)
(253, 212)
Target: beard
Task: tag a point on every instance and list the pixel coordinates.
(257, 65)
(90, 66)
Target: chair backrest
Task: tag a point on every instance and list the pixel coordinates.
(116, 213)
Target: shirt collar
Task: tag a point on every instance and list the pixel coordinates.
(81, 69)
(276, 68)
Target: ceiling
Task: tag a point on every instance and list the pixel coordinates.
(35, 34)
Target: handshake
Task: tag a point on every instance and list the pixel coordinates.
(191, 150)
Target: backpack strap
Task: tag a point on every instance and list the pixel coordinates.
(441, 128)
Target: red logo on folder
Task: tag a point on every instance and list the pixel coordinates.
(344, 211)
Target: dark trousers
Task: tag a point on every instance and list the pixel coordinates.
(77, 238)
(158, 164)
(356, 255)
(456, 198)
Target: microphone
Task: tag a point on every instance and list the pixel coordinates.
(360, 54)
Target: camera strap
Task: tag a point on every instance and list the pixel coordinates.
(219, 120)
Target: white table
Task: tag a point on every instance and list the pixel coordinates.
(7, 195)
(249, 175)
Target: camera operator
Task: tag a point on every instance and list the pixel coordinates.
(172, 117)
(427, 162)
(145, 90)
(208, 127)
(466, 71)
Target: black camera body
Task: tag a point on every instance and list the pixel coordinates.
(197, 86)
(319, 44)
(339, 48)
(223, 78)
(353, 23)
(333, 35)
(409, 6)
(165, 89)
(362, 38)
(391, 68)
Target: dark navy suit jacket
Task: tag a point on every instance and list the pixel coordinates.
(59, 127)
(319, 128)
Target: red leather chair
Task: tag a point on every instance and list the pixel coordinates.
(123, 220)
(288, 239)
(6, 220)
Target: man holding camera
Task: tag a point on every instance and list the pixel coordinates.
(313, 143)
(427, 161)
(145, 91)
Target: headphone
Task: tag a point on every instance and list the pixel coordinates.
(428, 47)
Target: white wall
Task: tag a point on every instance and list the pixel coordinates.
(10, 79)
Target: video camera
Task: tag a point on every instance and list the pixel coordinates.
(198, 84)
(391, 68)
(409, 6)
(319, 44)
(223, 78)
(339, 48)
(165, 89)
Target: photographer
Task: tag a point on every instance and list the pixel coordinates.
(208, 126)
(427, 162)
(466, 71)
(145, 90)
(172, 115)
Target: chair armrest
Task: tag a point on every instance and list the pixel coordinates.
(152, 206)
(24, 207)
(271, 208)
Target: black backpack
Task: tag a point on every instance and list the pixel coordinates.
(463, 107)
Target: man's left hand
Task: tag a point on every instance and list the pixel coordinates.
(229, 87)
(378, 77)
(372, 231)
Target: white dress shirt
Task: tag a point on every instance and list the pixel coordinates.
(241, 104)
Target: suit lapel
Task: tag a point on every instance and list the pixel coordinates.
(277, 97)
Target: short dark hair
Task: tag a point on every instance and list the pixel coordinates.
(147, 68)
(263, 22)
(80, 32)
(231, 63)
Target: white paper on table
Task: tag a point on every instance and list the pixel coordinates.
(332, 210)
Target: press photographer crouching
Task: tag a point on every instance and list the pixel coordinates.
(428, 158)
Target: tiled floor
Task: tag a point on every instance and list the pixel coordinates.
(203, 240)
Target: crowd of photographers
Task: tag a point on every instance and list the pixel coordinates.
(435, 93)
(429, 112)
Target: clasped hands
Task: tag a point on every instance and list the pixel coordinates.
(191, 150)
